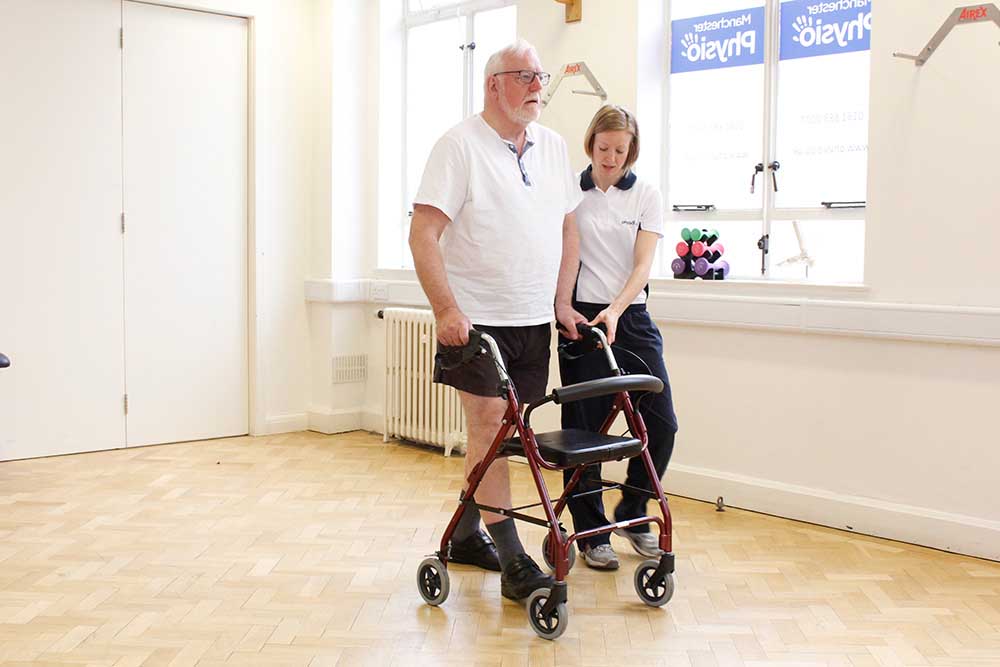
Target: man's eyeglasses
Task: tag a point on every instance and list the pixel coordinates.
(526, 76)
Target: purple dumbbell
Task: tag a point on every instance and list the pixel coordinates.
(702, 266)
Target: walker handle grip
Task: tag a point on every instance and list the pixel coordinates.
(605, 386)
(588, 341)
(450, 358)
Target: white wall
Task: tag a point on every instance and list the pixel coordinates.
(598, 41)
(933, 134)
(876, 434)
(345, 170)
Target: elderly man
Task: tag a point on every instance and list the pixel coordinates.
(492, 230)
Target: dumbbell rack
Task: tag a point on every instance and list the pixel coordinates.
(699, 256)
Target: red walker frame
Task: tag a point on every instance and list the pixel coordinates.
(653, 578)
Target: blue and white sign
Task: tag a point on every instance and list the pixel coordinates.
(823, 27)
(715, 41)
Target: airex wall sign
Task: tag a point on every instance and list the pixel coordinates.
(822, 27)
(717, 40)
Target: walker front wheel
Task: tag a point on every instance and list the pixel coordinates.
(549, 556)
(547, 626)
(654, 591)
(432, 581)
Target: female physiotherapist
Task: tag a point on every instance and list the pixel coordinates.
(620, 220)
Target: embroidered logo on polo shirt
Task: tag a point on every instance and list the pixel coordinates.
(630, 223)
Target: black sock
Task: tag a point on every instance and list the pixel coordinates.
(509, 545)
(468, 525)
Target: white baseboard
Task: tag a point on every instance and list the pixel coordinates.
(373, 422)
(957, 533)
(334, 421)
(286, 423)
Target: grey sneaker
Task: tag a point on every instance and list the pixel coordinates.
(601, 557)
(645, 544)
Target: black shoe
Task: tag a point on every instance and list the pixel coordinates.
(477, 549)
(522, 577)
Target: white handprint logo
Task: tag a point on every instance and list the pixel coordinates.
(687, 41)
(800, 24)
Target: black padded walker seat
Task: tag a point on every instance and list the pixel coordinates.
(574, 447)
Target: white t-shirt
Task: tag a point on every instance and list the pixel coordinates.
(609, 223)
(503, 246)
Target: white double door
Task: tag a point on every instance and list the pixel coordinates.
(89, 313)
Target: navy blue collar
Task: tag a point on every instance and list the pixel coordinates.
(624, 183)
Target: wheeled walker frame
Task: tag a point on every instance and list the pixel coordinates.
(561, 450)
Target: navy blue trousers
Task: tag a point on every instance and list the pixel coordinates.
(638, 348)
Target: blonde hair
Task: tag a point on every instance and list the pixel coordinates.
(611, 118)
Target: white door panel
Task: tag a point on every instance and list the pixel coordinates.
(185, 101)
(60, 240)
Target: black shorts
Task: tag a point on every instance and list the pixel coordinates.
(525, 352)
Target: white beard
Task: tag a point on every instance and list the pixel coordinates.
(520, 115)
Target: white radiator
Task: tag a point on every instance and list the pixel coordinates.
(415, 408)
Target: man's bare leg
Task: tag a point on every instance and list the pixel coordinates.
(483, 416)
(521, 575)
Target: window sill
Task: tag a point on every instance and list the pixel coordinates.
(801, 308)
(749, 287)
(740, 286)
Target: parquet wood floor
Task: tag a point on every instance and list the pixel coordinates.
(301, 549)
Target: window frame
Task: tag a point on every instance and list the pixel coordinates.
(768, 211)
(464, 9)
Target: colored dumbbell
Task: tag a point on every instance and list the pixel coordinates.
(710, 236)
(702, 266)
(683, 249)
(698, 248)
(680, 265)
(714, 252)
(721, 269)
(686, 234)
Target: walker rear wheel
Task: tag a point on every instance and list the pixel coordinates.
(549, 557)
(433, 582)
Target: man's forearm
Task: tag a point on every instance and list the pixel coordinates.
(569, 267)
(433, 279)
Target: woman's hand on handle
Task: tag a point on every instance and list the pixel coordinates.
(609, 316)
(453, 327)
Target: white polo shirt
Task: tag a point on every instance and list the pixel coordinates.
(503, 246)
(609, 223)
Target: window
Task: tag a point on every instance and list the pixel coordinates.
(768, 134)
(445, 46)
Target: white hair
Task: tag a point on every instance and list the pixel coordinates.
(496, 62)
